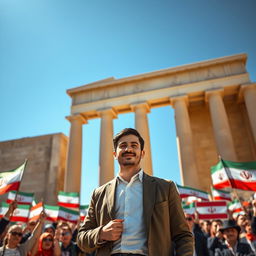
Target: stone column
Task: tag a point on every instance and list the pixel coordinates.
(188, 167)
(74, 158)
(106, 161)
(221, 128)
(250, 102)
(141, 124)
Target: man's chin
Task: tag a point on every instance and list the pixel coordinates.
(128, 164)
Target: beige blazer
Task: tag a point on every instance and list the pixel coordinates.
(163, 215)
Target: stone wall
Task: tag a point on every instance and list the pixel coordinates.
(45, 170)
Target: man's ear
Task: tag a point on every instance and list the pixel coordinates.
(114, 154)
(142, 153)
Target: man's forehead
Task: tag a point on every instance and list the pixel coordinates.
(128, 139)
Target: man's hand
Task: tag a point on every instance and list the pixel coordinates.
(12, 207)
(112, 231)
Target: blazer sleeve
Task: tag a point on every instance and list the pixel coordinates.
(88, 233)
(182, 237)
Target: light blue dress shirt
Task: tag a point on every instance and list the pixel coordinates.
(129, 207)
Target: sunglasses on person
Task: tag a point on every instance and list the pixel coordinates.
(65, 233)
(189, 218)
(47, 239)
(14, 233)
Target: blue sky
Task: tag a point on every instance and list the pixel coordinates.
(49, 46)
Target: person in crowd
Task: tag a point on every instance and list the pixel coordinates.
(27, 231)
(216, 236)
(241, 221)
(12, 242)
(6, 220)
(206, 226)
(50, 228)
(47, 246)
(249, 237)
(64, 235)
(232, 245)
(135, 213)
(199, 237)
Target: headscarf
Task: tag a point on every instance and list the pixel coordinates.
(41, 251)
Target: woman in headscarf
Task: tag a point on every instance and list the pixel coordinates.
(47, 246)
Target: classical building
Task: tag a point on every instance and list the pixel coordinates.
(214, 103)
(44, 173)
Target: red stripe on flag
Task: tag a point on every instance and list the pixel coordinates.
(18, 218)
(51, 219)
(243, 185)
(9, 187)
(221, 198)
(212, 203)
(65, 219)
(68, 205)
(221, 185)
(212, 216)
(8, 201)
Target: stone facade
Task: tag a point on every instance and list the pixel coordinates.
(214, 103)
(45, 170)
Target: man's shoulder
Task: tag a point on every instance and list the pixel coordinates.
(102, 188)
(159, 180)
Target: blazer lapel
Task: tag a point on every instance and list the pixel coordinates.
(149, 196)
(110, 194)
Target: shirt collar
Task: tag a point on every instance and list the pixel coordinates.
(138, 174)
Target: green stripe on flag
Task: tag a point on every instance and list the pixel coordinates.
(82, 207)
(72, 194)
(23, 193)
(68, 210)
(216, 167)
(240, 165)
(190, 188)
(23, 206)
(50, 207)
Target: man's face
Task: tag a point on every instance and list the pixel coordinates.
(66, 235)
(230, 234)
(128, 151)
(241, 220)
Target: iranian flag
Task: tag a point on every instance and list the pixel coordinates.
(68, 199)
(10, 180)
(83, 211)
(240, 175)
(4, 208)
(212, 210)
(52, 212)
(235, 206)
(219, 176)
(189, 208)
(22, 197)
(68, 215)
(35, 211)
(221, 195)
(188, 191)
(21, 213)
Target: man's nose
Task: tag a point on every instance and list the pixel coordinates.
(128, 148)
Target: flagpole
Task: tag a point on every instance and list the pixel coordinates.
(17, 191)
(233, 189)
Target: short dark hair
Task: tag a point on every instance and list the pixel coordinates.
(128, 131)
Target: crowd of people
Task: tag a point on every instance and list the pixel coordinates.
(37, 238)
(235, 236)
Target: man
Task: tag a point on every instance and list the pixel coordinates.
(200, 239)
(135, 214)
(232, 245)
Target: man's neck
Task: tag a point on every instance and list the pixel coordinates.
(232, 243)
(127, 172)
